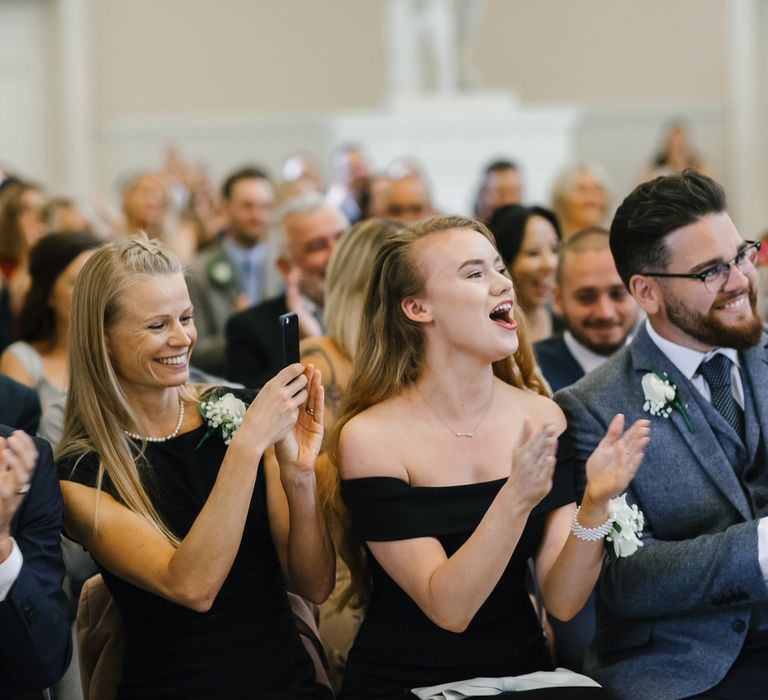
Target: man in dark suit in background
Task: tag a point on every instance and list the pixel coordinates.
(234, 271)
(19, 405)
(599, 313)
(686, 615)
(310, 228)
(35, 641)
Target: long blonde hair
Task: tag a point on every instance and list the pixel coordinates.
(97, 409)
(390, 357)
(348, 274)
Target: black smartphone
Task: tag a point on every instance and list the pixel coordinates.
(289, 338)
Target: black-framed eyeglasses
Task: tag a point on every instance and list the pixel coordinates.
(716, 277)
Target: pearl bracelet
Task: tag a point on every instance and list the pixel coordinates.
(590, 534)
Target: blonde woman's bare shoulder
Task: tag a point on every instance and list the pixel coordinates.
(540, 409)
(368, 444)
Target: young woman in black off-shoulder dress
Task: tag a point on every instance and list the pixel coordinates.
(196, 540)
(446, 450)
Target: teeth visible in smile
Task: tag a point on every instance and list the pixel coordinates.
(502, 311)
(178, 360)
(735, 303)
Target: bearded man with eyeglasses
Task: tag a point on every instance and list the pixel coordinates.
(687, 615)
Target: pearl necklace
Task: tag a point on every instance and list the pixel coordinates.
(161, 439)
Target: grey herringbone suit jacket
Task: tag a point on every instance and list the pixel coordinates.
(674, 616)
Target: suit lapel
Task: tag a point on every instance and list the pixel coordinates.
(571, 367)
(755, 382)
(703, 442)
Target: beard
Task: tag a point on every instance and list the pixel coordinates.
(603, 349)
(707, 329)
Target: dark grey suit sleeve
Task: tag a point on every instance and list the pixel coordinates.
(663, 578)
(210, 347)
(35, 642)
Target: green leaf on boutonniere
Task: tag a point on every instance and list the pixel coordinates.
(661, 396)
(628, 523)
(221, 273)
(223, 415)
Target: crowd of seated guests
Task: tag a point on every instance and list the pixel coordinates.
(390, 443)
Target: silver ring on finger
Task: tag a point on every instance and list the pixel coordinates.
(24, 489)
(310, 411)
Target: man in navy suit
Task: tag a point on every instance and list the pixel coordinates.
(35, 641)
(310, 228)
(598, 311)
(599, 315)
(687, 614)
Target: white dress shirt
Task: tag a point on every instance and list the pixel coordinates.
(587, 359)
(9, 570)
(688, 361)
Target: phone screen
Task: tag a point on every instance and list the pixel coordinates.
(289, 338)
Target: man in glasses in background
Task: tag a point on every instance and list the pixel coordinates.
(687, 614)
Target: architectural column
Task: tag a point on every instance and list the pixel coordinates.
(72, 127)
(747, 172)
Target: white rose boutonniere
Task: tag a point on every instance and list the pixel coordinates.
(661, 396)
(628, 522)
(221, 273)
(224, 415)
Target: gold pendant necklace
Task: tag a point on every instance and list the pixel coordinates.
(459, 434)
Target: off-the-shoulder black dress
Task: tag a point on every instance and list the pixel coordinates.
(398, 647)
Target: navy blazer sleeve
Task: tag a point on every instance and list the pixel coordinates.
(35, 640)
(19, 405)
(253, 343)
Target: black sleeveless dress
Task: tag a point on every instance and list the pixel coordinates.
(247, 644)
(398, 647)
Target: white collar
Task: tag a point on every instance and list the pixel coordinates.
(588, 359)
(685, 359)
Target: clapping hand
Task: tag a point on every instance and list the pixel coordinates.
(301, 445)
(533, 463)
(615, 460)
(18, 456)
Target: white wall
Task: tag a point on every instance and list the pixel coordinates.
(236, 80)
(25, 107)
